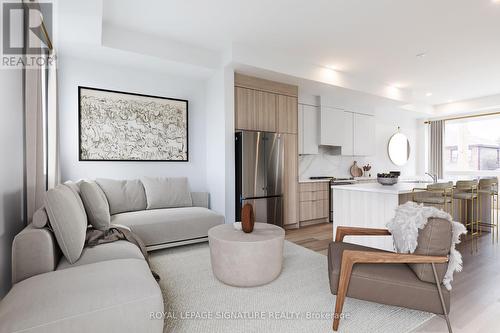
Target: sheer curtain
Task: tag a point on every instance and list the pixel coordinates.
(41, 128)
(52, 139)
(34, 140)
(436, 148)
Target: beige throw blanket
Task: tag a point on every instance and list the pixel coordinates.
(115, 233)
(409, 218)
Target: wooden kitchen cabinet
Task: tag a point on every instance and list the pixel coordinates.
(287, 114)
(255, 110)
(314, 206)
(290, 180)
(264, 105)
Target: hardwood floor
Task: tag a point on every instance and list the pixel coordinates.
(475, 298)
(315, 237)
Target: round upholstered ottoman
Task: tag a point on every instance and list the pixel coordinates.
(246, 260)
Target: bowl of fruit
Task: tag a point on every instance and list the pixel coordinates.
(387, 178)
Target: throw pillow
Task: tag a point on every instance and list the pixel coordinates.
(96, 205)
(68, 220)
(433, 240)
(40, 218)
(123, 195)
(167, 192)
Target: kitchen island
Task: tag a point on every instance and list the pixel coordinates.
(372, 205)
(369, 205)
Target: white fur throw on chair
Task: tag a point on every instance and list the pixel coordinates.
(404, 229)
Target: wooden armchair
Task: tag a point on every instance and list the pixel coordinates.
(400, 287)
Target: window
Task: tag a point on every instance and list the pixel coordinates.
(472, 146)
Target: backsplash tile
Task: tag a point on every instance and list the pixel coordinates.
(329, 165)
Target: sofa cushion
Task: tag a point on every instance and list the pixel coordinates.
(103, 252)
(68, 220)
(96, 205)
(200, 199)
(111, 296)
(160, 226)
(40, 218)
(75, 186)
(167, 192)
(433, 240)
(123, 195)
(391, 284)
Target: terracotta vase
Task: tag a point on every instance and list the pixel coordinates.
(247, 218)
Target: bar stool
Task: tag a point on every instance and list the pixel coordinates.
(465, 191)
(440, 195)
(489, 186)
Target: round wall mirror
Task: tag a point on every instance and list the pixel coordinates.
(399, 149)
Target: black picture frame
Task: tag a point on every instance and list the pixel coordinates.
(80, 88)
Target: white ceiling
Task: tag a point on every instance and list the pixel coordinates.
(377, 40)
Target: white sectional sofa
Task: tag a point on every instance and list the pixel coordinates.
(186, 219)
(61, 286)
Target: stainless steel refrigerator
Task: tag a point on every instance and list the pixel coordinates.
(259, 173)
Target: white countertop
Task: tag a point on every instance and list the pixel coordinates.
(399, 188)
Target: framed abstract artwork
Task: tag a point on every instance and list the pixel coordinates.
(121, 126)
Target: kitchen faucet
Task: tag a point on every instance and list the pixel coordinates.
(434, 177)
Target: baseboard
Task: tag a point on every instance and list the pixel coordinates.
(291, 226)
(178, 243)
(312, 222)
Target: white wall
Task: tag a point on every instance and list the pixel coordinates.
(220, 142)
(11, 169)
(74, 72)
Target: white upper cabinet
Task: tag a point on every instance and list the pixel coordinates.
(308, 129)
(311, 129)
(332, 131)
(353, 132)
(347, 147)
(300, 108)
(364, 135)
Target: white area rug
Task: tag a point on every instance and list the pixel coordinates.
(299, 300)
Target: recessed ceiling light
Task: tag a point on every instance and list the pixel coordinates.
(421, 55)
(450, 101)
(429, 94)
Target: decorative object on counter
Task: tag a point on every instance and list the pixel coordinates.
(387, 178)
(247, 218)
(399, 148)
(356, 170)
(366, 168)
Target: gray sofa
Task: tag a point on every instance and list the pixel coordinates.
(109, 287)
